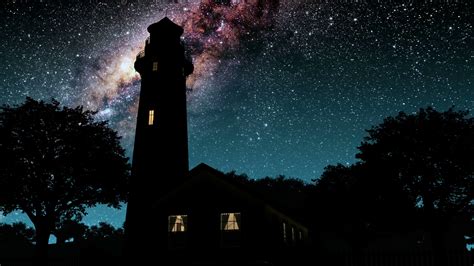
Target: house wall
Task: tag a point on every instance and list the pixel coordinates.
(260, 229)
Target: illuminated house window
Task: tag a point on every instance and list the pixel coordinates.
(177, 223)
(155, 66)
(151, 117)
(231, 229)
(230, 221)
(284, 232)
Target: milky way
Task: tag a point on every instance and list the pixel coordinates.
(212, 30)
(282, 87)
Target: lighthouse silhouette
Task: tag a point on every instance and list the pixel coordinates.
(160, 155)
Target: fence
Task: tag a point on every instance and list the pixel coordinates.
(412, 258)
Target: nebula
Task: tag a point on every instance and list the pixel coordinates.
(217, 27)
(211, 29)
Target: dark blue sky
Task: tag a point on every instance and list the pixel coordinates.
(287, 92)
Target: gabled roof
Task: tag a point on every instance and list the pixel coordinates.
(204, 168)
(205, 173)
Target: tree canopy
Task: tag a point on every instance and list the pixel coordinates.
(57, 161)
(104, 231)
(277, 190)
(69, 230)
(16, 233)
(77, 231)
(416, 172)
(430, 153)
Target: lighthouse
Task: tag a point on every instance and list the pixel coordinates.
(160, 155)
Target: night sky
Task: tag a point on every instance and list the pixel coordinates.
(279, 87)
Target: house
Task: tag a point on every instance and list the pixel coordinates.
(210, 218)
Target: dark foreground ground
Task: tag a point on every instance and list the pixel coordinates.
(106, 253)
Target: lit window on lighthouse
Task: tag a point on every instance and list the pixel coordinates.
(155, 66)
(151, 117)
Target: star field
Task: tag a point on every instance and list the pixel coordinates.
(279, 88)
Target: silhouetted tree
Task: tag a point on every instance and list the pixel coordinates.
(104, 231)
(69, 229)
(238, 178)
(16, 233)
(356, 204)
(288, 194)
(431, 154)
(334, 197)
(57, 161)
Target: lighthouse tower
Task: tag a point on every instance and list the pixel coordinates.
(160, 156)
